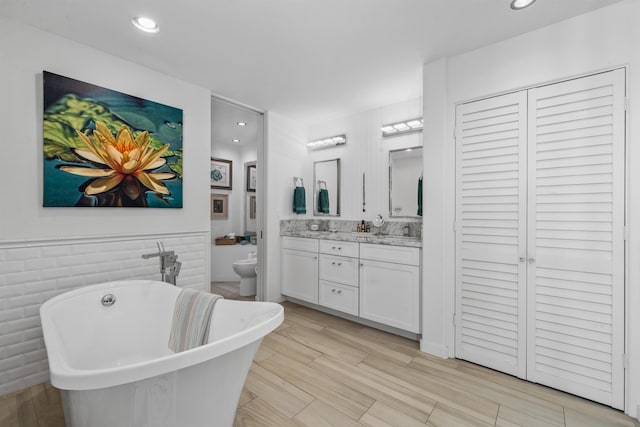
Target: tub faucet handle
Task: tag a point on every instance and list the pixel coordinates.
(176, 268)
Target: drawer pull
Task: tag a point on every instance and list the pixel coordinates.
(336, 291)
(339, 264)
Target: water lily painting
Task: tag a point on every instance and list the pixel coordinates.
(106, 148)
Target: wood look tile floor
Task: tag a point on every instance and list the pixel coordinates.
(229, 290)
(318, 370)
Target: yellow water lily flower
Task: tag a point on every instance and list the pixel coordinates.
(123, 157)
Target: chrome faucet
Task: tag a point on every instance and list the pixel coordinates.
(169, 264)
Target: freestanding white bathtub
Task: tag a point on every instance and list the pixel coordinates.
(114, 368)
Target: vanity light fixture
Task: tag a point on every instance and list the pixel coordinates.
(398, 128)
(235, 140)
(241, 123)
(145, 24)
(327, 142)
(521, 4)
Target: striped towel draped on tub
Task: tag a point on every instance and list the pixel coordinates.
(191, 319)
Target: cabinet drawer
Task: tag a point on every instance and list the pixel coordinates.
(339, 269)
(336, 247)
(386, 253)
(300, 244)
(339, 297)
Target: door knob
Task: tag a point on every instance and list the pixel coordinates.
(531, 260)
(522, 259)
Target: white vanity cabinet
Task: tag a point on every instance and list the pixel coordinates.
(339, 276)
(300, 268)
(390, 285)
(376, 282)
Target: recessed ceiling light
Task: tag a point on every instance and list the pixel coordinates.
(147, 25)
(521, 4)
(235, 140)
(241, 123)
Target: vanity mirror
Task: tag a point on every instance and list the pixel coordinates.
(326, 185)
(405, 182)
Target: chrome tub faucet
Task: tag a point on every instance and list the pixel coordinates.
(169, 264)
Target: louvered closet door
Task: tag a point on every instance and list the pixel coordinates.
(575, 236)
(490, 237)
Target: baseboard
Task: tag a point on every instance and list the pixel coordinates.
(366, 322)
(434, 349)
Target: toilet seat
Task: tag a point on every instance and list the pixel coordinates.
(247, 262)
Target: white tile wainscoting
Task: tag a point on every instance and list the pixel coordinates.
(33, 272)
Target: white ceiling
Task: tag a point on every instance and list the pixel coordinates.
(224, 124)
(307, 60)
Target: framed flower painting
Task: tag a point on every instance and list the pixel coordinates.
(104, 148)
(221, 173)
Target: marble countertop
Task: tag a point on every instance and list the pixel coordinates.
(379, 239)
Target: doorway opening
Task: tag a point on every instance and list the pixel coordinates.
(237, 136)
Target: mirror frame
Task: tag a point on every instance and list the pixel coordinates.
(391, 215)
(247, 203)
(316, 188)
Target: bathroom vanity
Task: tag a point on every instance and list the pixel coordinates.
(366, 278)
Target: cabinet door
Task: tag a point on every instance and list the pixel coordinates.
(390, 294)
(300, 275)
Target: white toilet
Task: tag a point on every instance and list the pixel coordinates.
(246, 269)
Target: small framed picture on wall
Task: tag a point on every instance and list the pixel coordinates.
(252, 207)
(252, 178)
(219, 206)
(221, 173)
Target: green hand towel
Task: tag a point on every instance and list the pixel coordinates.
(420, 196)
(323, 201)
(299, 201)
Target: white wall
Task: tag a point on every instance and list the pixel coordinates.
(285, 157)
(600, 40)
(45, 251)
(365, 152)
(24, 54)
